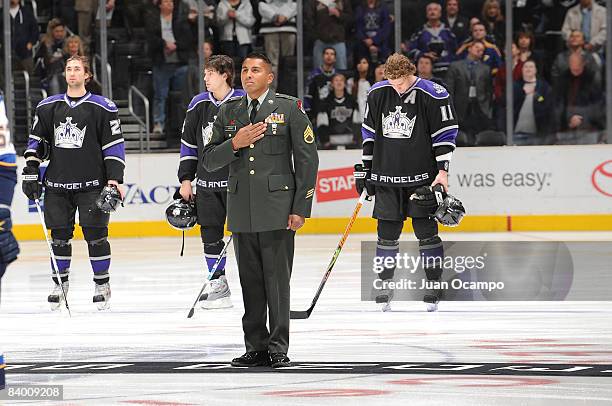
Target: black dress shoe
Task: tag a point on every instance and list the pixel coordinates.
(252, 359)
(280, 360)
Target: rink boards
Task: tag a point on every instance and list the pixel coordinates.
(543, 188)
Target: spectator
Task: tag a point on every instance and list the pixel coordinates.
(25, 33)
(379, 73)
(492, 55)
(52, 58)
(278, 28)
(469, 83)
(457, 23)
(328, 20)
(525, 41)
(578, 105)
(373, 28)
(86, 11)
(533, 107)
(235, 19)
(318, 83)
(73, 46)
(210, 7)
(575, 45)
(338, 115)
(170, 45)
(435, 40)
(359, 85)
(499, 87)
(425, 69)
(493, 20)
(590, 18)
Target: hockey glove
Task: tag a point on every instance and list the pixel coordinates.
(362, 180)
(423, 202)
(30, 184)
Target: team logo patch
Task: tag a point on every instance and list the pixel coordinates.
(208, 131)
(438, 88)
(397, 124)
(308, 135)
(276, 118)
(68, 135)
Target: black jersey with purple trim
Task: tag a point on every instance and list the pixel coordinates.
(87, 146)
(407, 138)
(197, 131)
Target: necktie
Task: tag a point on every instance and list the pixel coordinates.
(254, 104)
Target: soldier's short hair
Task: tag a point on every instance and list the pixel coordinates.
(86, 66)
(260, 56)
(222, 64)
(398, 66)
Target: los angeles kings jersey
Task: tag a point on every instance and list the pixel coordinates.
(87, 146)
(197, 131)
(407, 138)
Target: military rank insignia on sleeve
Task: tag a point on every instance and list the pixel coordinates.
(308, 135)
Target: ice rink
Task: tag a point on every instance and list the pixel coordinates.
(144, 351)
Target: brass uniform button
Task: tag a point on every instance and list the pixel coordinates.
(252, 172)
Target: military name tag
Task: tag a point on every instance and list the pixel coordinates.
(230, 128)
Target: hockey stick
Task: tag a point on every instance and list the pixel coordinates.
(293, 314)
(210, 275)
(53, 260)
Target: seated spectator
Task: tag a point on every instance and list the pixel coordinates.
(456, 22)
(499, 83)
(327, 21)
(359, 85)
(373, 29)
(468, 81)
(318, 83)
(170, 48)
(492, 55)
(590, 18)
(337, 117)
(425, 69)
(435, 40)
(24, 35)
(52, 58)
(575, 45)
(379, 73)
(73, 46)
(493, 20)
(533, 107)
(579, 100)
(235, 19)
(525, 41)
(278, 28)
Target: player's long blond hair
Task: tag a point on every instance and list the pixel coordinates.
(398, 66)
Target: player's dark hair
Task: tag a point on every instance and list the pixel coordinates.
(222, 64)
(86, 66)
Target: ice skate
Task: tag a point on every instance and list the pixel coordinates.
(383, 296)
(55, 299)
(217, 294)
(102, 296)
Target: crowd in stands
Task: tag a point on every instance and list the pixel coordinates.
(557, 56)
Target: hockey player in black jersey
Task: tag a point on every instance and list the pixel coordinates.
(211, 187)
(408, 140)
(82, 134)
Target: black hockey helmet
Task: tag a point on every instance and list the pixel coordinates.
(109, 199)
(450, 211)
(181, 215)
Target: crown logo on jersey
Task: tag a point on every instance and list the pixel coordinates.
(68, 135)
(438, 88)
(397, 124)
